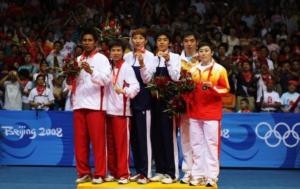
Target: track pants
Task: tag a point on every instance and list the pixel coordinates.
(164, 141)
(118, 146)
(89, 127)
(186, 144)
(140, 141)
(205, 142)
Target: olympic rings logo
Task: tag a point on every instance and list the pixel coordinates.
(278, 136)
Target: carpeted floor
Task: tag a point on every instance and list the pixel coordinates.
(21, 177)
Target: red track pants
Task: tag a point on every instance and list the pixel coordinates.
(118, 146)
(89, 126)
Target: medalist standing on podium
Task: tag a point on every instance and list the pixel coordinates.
(163, 130)
(123, 87)
(205, 114)
(89, 105)
(140, 60)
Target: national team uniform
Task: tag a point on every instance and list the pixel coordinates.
(118, 111)
(141, 116)
(89, 105)
(163, 130)
(205, 113)
(187, 163)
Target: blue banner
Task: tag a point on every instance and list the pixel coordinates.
(36, 138)
(261, 140)
(248, 139)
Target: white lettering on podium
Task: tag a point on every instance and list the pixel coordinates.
(22, 131)
(225, 133)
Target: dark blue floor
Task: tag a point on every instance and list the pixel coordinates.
(19, 177)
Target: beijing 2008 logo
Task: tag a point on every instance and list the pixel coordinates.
(279, 135)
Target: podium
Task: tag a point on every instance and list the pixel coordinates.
(133, 185)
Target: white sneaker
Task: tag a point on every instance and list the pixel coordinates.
(168, 179)
(142, 180)
(211, 182)
(186, 178)
(198, 182)
(97, 180)
(157, 178)
(134, 178)
(83, 179)
(109, 178)
(123, 180)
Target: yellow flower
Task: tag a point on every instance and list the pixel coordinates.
(192, 69)
(195, 72)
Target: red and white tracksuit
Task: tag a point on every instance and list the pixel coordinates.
(89, 105)
(205, 113)
(118, 110)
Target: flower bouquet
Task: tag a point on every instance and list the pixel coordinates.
(109, 28)
(71, 68)
(173, 94)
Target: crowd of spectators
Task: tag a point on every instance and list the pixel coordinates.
(258, 42)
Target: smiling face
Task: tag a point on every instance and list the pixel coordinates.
(205, 54)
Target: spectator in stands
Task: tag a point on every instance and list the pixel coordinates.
(26, 85)
(286, 73)
(41, 97)
(13, 59)
(269, 42)
(67, 94)
(58, 93)
(263, 76)
(276, 27)
(39, 58)
(285, 53)
(69, 45)
(56, 59)
(28, 65)
(296, 67)
(216, 40)
(45, 71)
(244, 105)
(246, 85)
(2, 56)
(274, 58)
(232, 40)
(290, 99)
(221, 56)
(12, 91)
(264, 57)
(269, 100)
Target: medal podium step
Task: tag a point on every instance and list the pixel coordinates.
(133, 185)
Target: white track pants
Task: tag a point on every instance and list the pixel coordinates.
(204, 138)
(186, 144)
